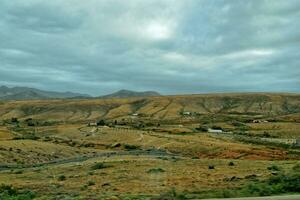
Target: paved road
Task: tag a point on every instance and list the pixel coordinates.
(284, 197)
(154, 153)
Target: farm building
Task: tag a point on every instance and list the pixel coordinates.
(92, 124)
(260, 121)
(186, 113)
(214, 130)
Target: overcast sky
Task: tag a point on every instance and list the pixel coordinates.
(170, 46)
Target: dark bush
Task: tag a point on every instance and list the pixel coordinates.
(266, 134)
(216, 127)
(274, 168)
(101, 123)
(90, 183)
(99, 166)
(30, 123)
(7, 192)
(202, 128)
(61, 178)
(131, 147)
(8, 189)
(211, 167)
(155, 170)
(285, 183)
(14, 120)
(231, 163)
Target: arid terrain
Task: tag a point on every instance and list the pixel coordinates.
(165, 147)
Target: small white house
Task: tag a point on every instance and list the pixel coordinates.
(214, 130)
(186, 113)
(135, 114)
(92, 124)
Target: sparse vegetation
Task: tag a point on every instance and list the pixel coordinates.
(155, 170)
(171, 195)
(7, 192)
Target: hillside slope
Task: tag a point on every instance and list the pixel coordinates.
(164, 107)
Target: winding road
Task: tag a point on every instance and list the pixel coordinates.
(151, 152)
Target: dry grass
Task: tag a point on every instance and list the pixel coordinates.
(29, 151)
(130, 175)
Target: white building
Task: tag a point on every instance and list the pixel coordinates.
(186, 113)
(214, 130)
(92, 124)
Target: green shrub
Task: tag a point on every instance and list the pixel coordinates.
(296, 168)
(155, 170)
(61, 178)
(231, 163)
(18, 172)
(274, 168)
(131, 147)
(211, 167)
(217, 127)
(7, 192)
(202, 128)
(8, 189)
(90, 183)
(99, 166)
(14, 120)
(101, 123)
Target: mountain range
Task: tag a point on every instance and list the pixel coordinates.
(129, 93)
(26, 93)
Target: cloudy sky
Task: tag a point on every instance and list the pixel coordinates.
(171, 46)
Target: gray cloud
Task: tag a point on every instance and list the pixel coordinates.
(170, 46)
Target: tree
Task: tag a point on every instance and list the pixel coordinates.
(101, 123)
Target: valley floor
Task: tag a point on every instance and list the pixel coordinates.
(169, 161)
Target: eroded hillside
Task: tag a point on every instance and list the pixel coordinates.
(167, 107)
